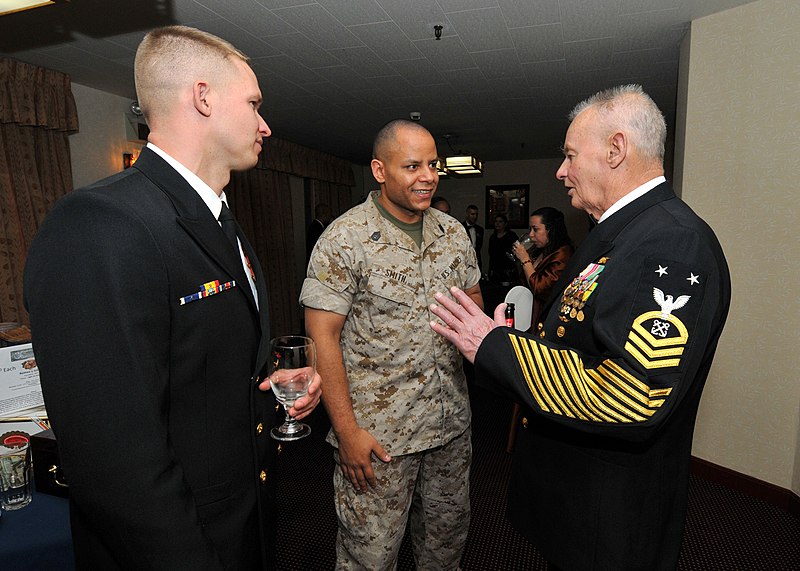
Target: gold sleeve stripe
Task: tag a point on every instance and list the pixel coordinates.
(640, 385)
(542, 391)
(528, 373)
(560, 391)
(561, 385)
(605, 398)
(548, 373)
(660, 392)
(621, 383)
(597, 405)
(563, 363)
(616, 398)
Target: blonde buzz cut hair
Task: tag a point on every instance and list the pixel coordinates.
(171, 57)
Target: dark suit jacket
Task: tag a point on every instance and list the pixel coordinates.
(613, 380)
(478, 240)
(154, 404)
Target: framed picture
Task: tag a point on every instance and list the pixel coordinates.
(510, 200)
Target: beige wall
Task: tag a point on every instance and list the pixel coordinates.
(97, 149)
(740, 172)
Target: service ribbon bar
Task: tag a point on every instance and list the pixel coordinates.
(208, 289)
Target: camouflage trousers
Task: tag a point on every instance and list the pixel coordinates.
(430, 489)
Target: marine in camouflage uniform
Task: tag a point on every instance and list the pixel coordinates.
(406, 384)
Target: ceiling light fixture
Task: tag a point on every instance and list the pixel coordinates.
(464, 164)
(458, 164)
(11, 6)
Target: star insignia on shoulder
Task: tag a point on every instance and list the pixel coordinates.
(662, 271)
(693, 279)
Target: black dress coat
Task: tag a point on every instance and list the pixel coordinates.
(162, 432)
(613, 380)
(478, 245)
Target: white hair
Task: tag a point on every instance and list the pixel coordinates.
(629, 108)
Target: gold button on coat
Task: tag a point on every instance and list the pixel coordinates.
(560, 331)
(263, 476)
(524, 422)
(259, 428)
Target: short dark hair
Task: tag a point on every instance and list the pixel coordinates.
(388, 133)
(472, 207)
(557, 234)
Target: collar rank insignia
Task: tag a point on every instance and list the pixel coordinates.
(657, 338)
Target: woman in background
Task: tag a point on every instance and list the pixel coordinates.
(552, 249)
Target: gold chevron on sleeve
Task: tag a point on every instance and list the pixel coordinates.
(562, 385)
(654, 353)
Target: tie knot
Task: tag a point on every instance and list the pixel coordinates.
(228, 224)
(225, 214)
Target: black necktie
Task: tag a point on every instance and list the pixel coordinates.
(228, 223)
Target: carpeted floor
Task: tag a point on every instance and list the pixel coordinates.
(725, 530)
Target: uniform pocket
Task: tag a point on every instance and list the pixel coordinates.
(212, 501)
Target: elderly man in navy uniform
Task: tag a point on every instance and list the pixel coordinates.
(613, 374)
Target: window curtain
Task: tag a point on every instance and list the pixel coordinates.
(262, 203)
(261, 200)
(337, 196)
(37, 114)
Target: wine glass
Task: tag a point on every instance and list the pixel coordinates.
(291, 368)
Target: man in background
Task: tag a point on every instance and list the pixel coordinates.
(394, 390)
(150, 326)
(614, 373)
(322, 217)
(474, 230)
(440, 203)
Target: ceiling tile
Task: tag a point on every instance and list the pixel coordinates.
(498, 64)
(467, 79)
(352, 12)
(538, 43)
(298, 46)
(520, 13)
(386, 40)
(249, 15)
(394, 85)
(344, 77)
(589, 54)
(363, 60)
(545, 73)
(579, 25)
(418, 71)
(318, 24)
(190, 12)
(417, 17)
(330, 92)
(482, 30)
(461, 5)
(446, 54)
(286, 67)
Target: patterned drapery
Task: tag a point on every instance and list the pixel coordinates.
(37, 114)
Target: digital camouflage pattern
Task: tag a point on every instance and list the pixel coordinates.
(375, 521)
(406, 382)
